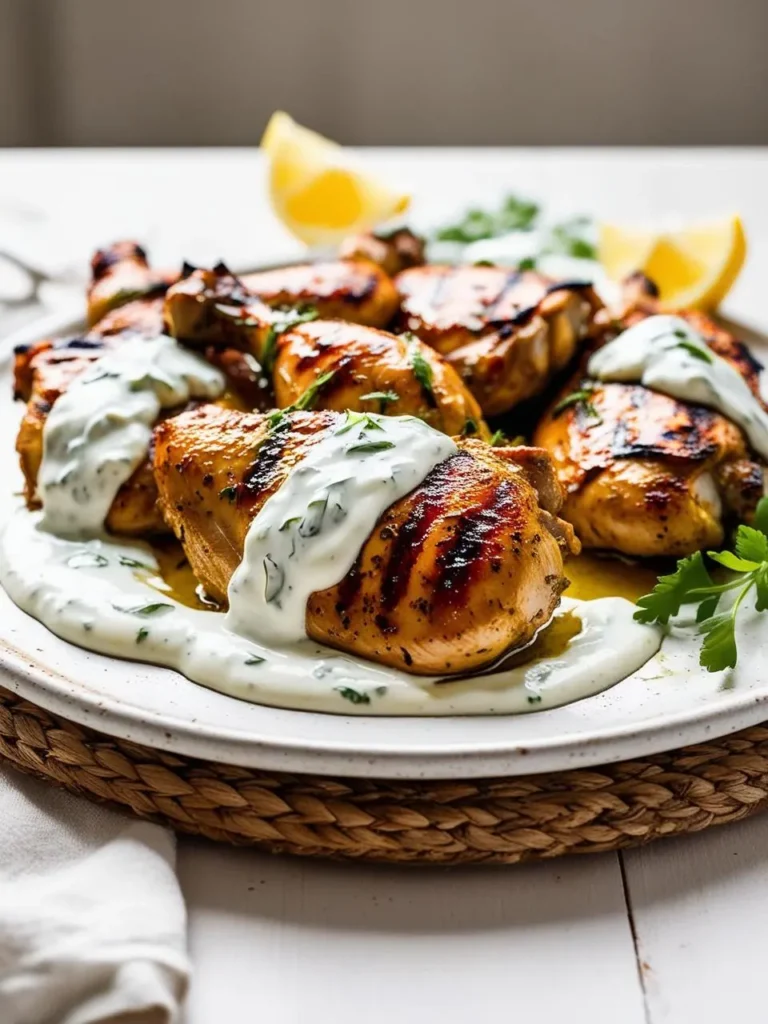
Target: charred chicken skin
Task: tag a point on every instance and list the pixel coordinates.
(393, 251)
(121, 274)
(465, 567)
(353, 290)
(45, 370)
(646, 474)
(505, 331)
(371, 370)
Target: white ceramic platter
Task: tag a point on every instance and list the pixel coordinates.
(668, 703)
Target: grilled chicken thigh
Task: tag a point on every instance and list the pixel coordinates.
(402, 377)
(45, 370)
(393, 251)
(644, 473)
(354, 290)
(466, 566)
(505, 331)
(120, 274)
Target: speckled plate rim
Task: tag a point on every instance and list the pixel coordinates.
(195, 722)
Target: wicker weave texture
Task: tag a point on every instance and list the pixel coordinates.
(478, 821)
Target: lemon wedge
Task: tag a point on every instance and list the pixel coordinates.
(693, 268)
(317, 191)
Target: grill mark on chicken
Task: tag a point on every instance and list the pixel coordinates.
(266, 469)
(410, 538)
(512, 278)
(473, 540)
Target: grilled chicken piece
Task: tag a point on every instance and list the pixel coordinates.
(353, 290)
(505, 331)
(406, 378)
(393, 251)
(466, 566)
(45, 370)
(212, 306)
(141, 318)
(657, 476)
(120, 274)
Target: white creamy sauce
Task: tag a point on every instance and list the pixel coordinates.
(665, 354)
(93, 594)
(308, 534)
(104, 594)
(98, 432)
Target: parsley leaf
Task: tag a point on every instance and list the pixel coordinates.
(751, 544)
(382, 397)
(353, 696)
(695, 350)
(582, 398)
(422, 370)
(571, 238)
(760, 521)
(370, 446)
(514, 214)
(692, 584)
(671, 592)
(718, 651)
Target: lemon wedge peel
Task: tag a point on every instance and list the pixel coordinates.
(317, 190)
(694, 268)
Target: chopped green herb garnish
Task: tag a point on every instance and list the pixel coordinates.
(269, 351)
(145, 610)
(289, 522)
(254, 659)
(382, 397)
(691, 584)
(695, 350)
(582, 398)
(422, 370)
(289, 318)
(132, 563)
(142, 635)
(305, 401)
(370, 446)
(470, 427)
(572, 238)
(529, 263)
(87, 560)
(514, 214)
(534, 698)
(353, 696)
(498, 439)
(483, 263)
(355, 418)
(228, 493)
(309, 397)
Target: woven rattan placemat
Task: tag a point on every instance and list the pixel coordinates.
(448, 822)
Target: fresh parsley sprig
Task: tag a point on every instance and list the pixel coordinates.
(691, 584)
(582, 399)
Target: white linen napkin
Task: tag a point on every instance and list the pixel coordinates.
(92, 920)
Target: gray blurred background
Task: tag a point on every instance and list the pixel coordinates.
(428, 72)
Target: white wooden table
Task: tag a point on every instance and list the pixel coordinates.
(671, 934)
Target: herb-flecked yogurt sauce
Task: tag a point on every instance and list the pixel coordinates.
(92, 589)
(99, 430)
(665, 354)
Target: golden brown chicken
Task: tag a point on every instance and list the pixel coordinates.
(120, 274)
(646, 474)
(46, 369)
(393, 251)
(354, 290)
(465, 567)
(371, 370)
(505, 331)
